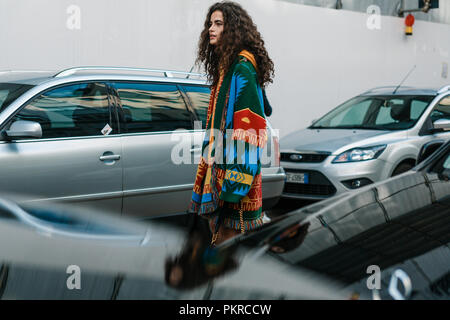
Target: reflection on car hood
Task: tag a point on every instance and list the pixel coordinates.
(45, 246)
(328, 140)
(388, 224)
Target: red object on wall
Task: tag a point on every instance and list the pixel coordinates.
(409, 21)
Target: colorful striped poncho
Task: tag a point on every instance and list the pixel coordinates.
(229, 171)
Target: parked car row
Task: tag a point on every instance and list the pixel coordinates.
(105, 138)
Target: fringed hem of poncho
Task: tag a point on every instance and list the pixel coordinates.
(235, 224)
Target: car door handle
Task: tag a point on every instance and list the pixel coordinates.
(110, 157)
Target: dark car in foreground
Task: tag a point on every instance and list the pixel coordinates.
(386, 240)
(60, 252)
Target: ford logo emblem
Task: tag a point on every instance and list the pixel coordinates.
(296, 157)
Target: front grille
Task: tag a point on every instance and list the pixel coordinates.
(306, 157)
(318, 184)
(309, 189)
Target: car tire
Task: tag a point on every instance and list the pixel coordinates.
(401, 168)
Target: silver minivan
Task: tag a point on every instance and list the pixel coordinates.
(106, 137)
(369, 138)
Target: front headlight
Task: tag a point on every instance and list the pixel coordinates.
(360, 154)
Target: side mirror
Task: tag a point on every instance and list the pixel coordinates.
(441, 125)
(23, 129)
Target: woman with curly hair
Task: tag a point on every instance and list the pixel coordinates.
(227, 189)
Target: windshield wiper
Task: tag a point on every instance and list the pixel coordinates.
(362, 127)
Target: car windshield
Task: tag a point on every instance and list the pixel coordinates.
(392, 112)
(10, 92)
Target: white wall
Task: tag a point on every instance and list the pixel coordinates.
(387, 7)
(322, 56)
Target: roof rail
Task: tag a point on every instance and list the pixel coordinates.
(385, 87)
(444, 89)
(166, 73)
(25, 71)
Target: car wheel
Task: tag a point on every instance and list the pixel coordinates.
(402, 167)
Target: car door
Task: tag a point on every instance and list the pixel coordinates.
(197, 97)
(73, 160)
(156, 131)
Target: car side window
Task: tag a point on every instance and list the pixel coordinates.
(446, 164)
(152, 107)
(199, 98)
(70, 111)
(401, 110)
(441, 110)
(417, 108)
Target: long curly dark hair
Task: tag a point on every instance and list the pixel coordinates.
(239, 33)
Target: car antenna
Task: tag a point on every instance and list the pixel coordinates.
(404, 79)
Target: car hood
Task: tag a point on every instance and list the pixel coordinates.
(327, 140)
(45, 245)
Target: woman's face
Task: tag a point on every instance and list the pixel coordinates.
(215, 27)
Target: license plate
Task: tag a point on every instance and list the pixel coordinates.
(297, 177)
